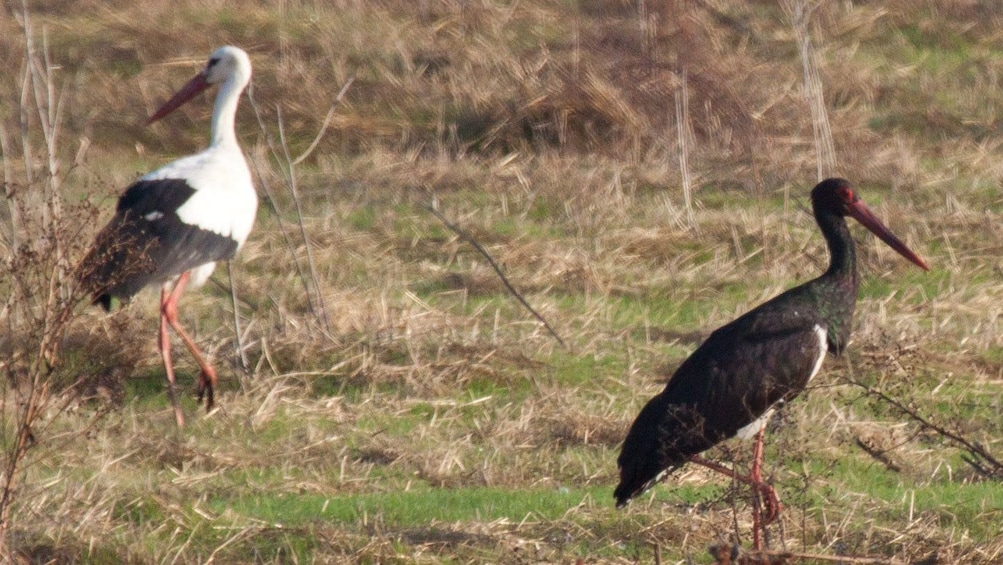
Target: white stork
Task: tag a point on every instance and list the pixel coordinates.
(173, 224)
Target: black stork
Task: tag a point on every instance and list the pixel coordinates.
(733, 382)
(172, 225)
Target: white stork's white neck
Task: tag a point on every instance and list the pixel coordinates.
(225, 110)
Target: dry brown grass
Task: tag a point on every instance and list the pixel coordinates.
(547, 131)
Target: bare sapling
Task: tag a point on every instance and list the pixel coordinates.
(287, 164)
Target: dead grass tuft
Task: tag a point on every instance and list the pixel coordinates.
(584, 429)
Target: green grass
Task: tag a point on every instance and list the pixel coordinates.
(362, 218)
(410, 509)
(906, 282)
(975, 506)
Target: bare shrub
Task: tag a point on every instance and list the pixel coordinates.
(40, 236)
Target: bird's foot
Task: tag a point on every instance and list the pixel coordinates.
(772, 504)
(206, 390)
(766, 509)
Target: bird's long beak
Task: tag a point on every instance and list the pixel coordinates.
(187, 92)
(863, 214)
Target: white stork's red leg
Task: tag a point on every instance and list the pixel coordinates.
(207, 375)
(188, 214)
(773, 506)
(164, 345)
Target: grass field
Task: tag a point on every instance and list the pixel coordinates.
(398, 404)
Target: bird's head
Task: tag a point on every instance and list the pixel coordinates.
(225, 63)
(837, 196)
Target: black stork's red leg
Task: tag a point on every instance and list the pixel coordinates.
(773, 506)
(763, 489)
(772, 501)
(737, 376)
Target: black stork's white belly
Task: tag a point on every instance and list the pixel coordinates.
(750, 430)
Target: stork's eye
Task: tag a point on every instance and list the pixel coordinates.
(212, 62)
(846, 193)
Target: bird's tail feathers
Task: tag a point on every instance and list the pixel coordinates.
(631, 485)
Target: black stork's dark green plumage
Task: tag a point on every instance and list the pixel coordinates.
(730, 385)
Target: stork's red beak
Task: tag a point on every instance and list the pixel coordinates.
(864, 215)
(187, 92)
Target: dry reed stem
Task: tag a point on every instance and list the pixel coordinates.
(799, 12)
(683, 134)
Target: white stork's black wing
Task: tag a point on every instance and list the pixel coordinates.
(148, 243)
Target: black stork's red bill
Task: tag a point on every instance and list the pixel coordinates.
(173, 224)
(732, 383)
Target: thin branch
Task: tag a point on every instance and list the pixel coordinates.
(469, 239)
(285, 234)
(327, 121)
(980, 456)
(238, 341)
(314, 296)
(291, 181)
(275, 206)
(878, 455)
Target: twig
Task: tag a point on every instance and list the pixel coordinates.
(469, 239)
(238, 339)
(294, 191)
(285, 232)
(314, 296)
(327, 120)
(834, 558)
(878, 455)
(980, 456)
